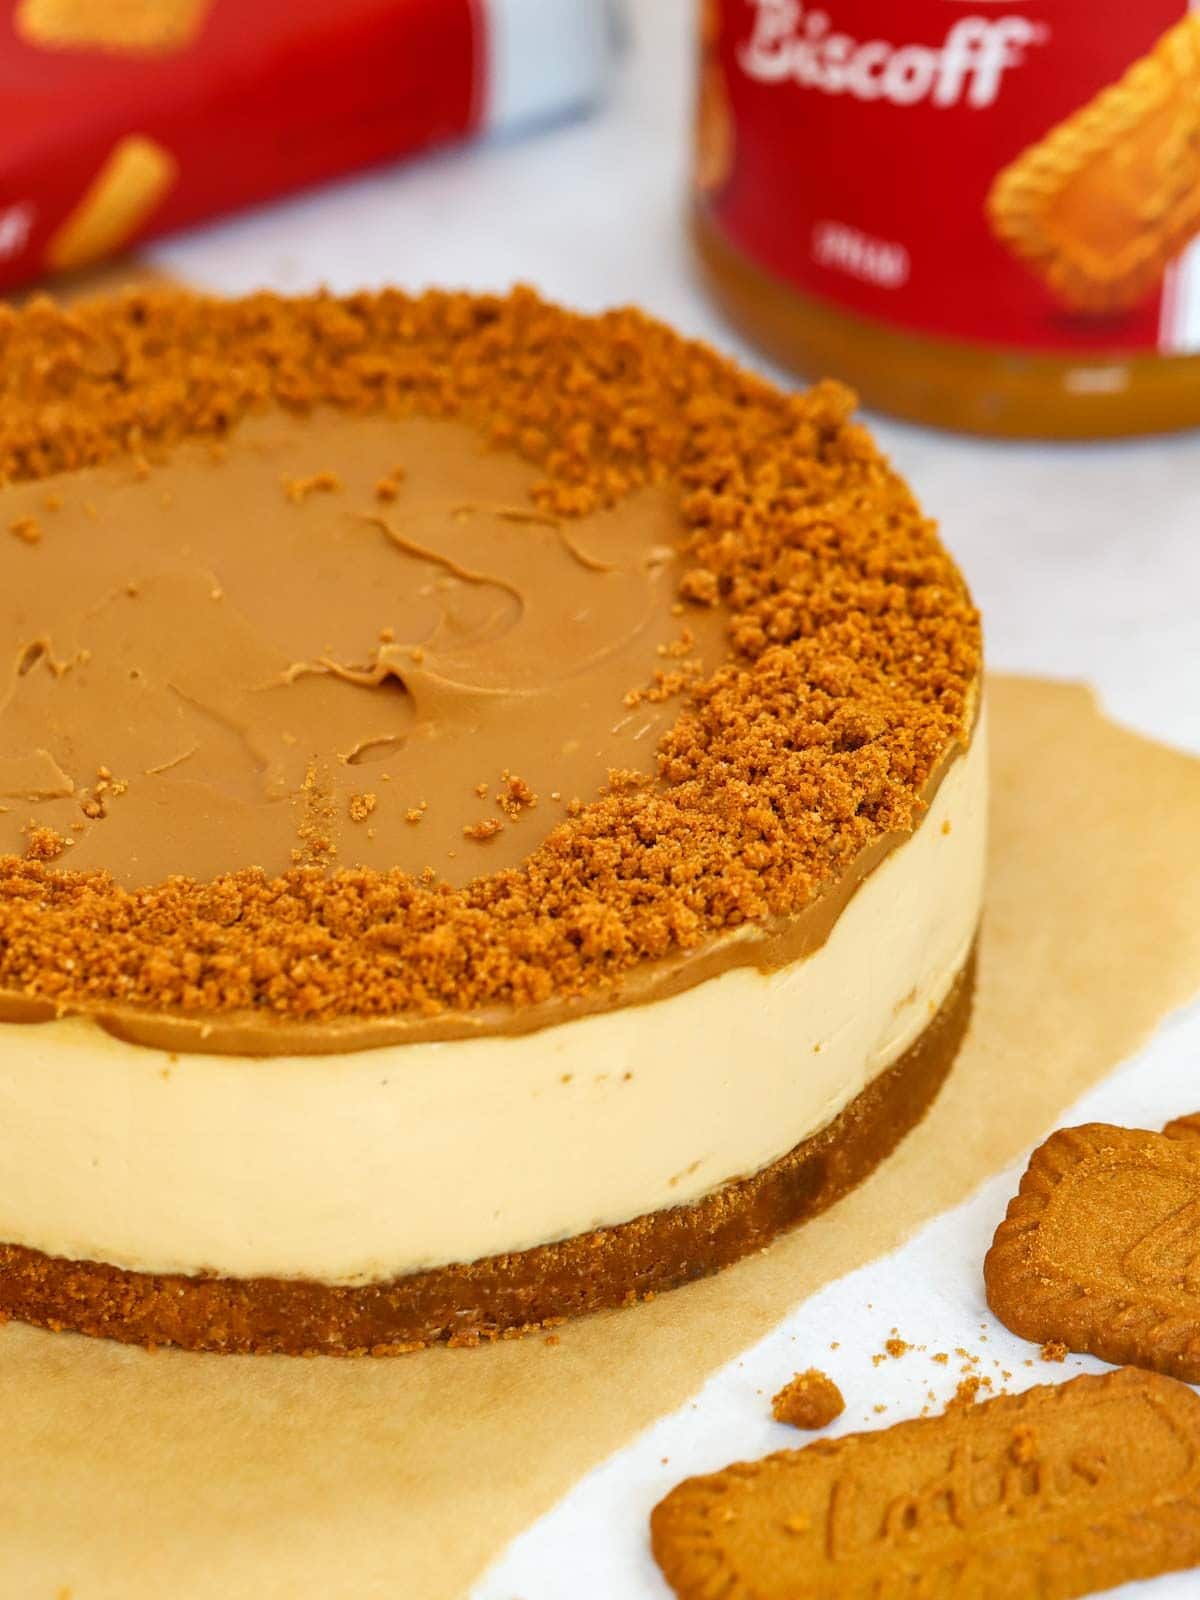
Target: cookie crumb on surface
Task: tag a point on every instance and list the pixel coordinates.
(388, 486)
(515, 797)
(487, 829)
(44, 844)
(968, 1391)
(810, 1400)
(299, 489)
(1054, 1350)
(26, 529)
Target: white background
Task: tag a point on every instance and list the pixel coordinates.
(1085, 560)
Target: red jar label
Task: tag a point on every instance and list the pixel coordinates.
(1023, 173)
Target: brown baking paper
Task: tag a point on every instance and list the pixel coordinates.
(130, 1476)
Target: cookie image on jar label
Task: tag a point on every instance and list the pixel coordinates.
(1109, 197)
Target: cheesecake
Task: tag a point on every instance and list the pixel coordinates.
(492, 815)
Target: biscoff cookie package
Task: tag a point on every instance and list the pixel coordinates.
(139, 117)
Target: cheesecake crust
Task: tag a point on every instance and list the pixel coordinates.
(501, 1296)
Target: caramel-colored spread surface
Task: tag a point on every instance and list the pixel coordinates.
(847, 680)
(331, 641)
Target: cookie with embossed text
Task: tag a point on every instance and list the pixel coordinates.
(1058, 1492)
(1100, 1248)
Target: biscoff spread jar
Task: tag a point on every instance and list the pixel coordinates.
(983, 214)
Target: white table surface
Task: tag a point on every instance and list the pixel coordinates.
(1085, 560)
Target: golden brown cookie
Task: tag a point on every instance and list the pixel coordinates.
(1100, 205)
(1100, 1249)
(1058, 1492)
(810, 1400)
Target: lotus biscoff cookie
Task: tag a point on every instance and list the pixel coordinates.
(1100, 205)
(1058, 1492)
(1101, 1248)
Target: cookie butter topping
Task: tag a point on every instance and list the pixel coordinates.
(630, 472)
(227, 659)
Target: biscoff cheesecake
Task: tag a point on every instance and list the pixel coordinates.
(492, 811)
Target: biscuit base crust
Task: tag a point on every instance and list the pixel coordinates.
(500, 1296)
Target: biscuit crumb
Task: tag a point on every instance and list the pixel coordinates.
(486, 829)
(515, 797)
(967, 1391)
(299, 489)
(388, 486)
(700, 586)
(27, 529)
(810, 1400)
(1054, 1350)
(361, 806)
(44, 844)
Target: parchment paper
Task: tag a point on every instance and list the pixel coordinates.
(127, 1476)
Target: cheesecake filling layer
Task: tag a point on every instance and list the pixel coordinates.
(363, 1166)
